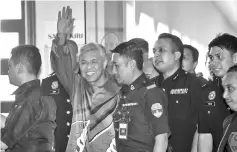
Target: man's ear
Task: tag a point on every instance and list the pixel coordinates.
(235, 58)
(132, 64)
(177, 55)
(105, 63)
(20, 68)
(195, 65)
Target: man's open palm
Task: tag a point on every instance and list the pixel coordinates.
(65, 21)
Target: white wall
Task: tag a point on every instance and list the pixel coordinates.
(46, 24)
(197, 23)
(90, 23)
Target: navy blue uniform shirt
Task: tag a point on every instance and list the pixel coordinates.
(52, 87)
(213, 112)
(184, 96)
(146, 110)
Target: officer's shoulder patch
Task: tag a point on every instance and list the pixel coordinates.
(157, 110)
(232, 141)
(151, 86)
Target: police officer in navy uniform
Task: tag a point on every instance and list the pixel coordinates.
(222, 55)
(141, 120)
(183, 91)
(52, 87)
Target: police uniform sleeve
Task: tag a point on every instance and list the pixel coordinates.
(203, 122)
(63, 60)
(157, 110)
(196, 98)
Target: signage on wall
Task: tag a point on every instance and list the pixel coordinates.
(78, 34)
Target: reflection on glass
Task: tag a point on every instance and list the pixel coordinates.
(8, 10)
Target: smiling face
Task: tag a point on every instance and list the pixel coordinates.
(92, 65)
(230, 85)
(220, 60)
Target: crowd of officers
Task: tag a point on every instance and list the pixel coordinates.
(196, 106)
(163, 104)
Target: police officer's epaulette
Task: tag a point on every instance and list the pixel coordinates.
(151, 86)
(52, 74)
(204, 85)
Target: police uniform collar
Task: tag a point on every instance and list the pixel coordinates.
(138, 83)
(154, 79)
(52, 75)
(27, 86)
(217, 81)
(179, 72)
(107, 84)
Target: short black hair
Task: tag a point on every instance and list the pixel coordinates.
(232, 69)
(194, 52)
(132, 51)
(29, 56)
(141, 43)
(176, 41)
(224, 41)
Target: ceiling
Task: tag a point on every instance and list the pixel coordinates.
(229, 9)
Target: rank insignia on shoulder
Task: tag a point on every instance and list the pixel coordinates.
(53, 73)
(157, 110)
(54, 85)
(204, 85)
(151, 86)
(212, 95)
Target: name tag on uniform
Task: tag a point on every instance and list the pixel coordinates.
(210, 103)
(123, 130)
(55, 91)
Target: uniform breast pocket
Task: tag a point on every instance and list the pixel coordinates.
(15, 109)
(179, 106)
